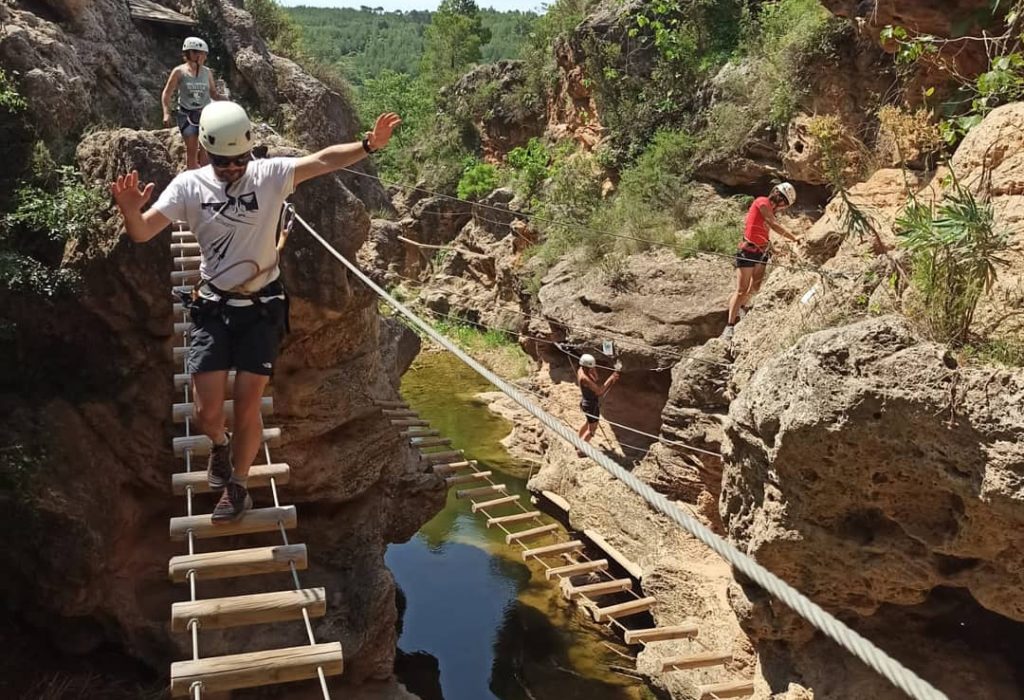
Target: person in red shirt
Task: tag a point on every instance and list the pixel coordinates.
(755, 249)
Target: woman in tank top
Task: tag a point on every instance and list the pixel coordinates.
(195, 87)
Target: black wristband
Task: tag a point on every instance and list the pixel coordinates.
(366, 145)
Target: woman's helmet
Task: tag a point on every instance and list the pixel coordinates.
(788, 191)
(224, 129)
(194, 43)
(587, 360)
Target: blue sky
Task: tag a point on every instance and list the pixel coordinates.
(391, 5)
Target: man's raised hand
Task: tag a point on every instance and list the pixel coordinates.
(127, 194)
(382, 130)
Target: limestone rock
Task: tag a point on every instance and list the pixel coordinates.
(840, 479)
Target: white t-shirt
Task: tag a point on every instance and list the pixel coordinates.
(233, 223)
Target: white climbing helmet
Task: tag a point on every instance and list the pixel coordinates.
(194, 43)
(224, 129)
(788, 191)
(587, 360)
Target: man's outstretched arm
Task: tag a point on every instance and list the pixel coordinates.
(345, 154)
(130, 199)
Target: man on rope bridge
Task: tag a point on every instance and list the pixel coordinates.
(754, 250)
(232, 206)
(592, 391)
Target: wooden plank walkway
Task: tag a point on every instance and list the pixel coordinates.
(584, 580)
(249, 669)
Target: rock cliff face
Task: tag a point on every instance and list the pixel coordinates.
(86, 380)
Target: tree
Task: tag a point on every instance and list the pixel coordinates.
(452, 41)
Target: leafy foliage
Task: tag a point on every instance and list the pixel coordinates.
(478, 180)
(956, 249)
(452, 41)
(364, 42)
(276, 26)
(66, 213)
(11, 100)
(405, 95)
(529, 164)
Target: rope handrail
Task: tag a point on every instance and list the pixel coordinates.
(899, 675)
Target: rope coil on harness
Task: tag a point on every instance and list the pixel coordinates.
(859, 646)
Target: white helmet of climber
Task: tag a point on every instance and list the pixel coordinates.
(194, 43)
(224, 129)
(587, 360)
(788, 191)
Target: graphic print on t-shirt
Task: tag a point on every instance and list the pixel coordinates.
(238, 206)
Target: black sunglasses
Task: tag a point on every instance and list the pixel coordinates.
(227, 161)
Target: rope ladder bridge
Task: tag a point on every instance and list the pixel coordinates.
(609, 598)
(194, 677)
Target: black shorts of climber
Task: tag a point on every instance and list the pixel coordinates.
(245, 338)
(748, 257)
(188, 121)
(592, 410)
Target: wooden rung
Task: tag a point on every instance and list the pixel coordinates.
(181, 380)
(429, 441)
(184, 275)
(389, 403)
(409, 422)
(552, 549)
(220, 673)
(255, 520)
(182, 235)
(182, 328)
(259, 476)
(615, 555)
(476, 507)
(681, 663)
(239, 562)
(189, 247)
(452, 467)
(182, 288)
(467, 478)
(441, 457)
(482, 491)
(727, 689)
(631, 607)
(188, 260)
(181, 411)
(400, 413)
(419, 433)
(254, 609)
(518, 517)
(583, 567)
(602, 588)
(531, 533)
(556, 500)
(200, 444)
(655, 634)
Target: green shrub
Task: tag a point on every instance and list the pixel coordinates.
(275, 25)
(956, 249)
(478, 180)
(529, 164)
(11, 100)
(19, 273)
(67, 213)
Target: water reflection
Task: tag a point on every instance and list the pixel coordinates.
(477, 625)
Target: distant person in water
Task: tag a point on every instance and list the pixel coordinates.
(755, 249)
(195, 86)
(592, 391)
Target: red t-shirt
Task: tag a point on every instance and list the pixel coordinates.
(756, 230)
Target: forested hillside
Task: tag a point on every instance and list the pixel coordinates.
(364, 42)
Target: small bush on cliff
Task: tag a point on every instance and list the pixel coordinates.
(478, 180)
(956, 249)
(276, 26)
(529, 165)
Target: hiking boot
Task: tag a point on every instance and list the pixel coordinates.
(233, 502)
(218, 466)
(728, 333)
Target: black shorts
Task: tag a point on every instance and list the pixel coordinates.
(748, 257)
(245, 338)
(591, 409)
